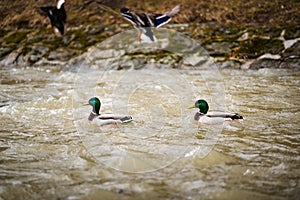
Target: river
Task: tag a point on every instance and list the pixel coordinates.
(49, 150)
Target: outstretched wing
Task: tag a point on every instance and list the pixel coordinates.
(160, 20)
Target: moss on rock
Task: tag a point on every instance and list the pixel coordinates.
(256, 47)
(16, 37)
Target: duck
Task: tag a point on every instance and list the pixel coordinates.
(104, 119)
(205, 117)
(145, 22)
(57, 15)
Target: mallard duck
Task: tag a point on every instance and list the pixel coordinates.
(103, 119)
(144, 22)
(57, 16)
(206, 117)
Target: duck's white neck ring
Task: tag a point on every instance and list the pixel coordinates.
(200, 113)
(94, 113)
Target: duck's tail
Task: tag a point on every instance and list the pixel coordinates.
(126, 119)
(174, 11)
(236, 117)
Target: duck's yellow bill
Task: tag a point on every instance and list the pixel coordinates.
(86, 104)
(191, 106)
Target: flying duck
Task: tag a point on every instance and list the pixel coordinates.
(57, 15)
(206, 117)
(104, 119)
(144, 22)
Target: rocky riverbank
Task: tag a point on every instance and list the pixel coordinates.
(232, 39)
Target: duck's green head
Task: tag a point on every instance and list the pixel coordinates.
(95, 102)
(202, 105)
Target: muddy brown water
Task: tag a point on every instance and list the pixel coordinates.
(48, 149)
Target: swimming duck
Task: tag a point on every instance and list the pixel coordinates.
(103, 119)
(206, 117)
(144, 22)
(57, 16)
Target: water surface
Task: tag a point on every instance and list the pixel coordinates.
(49, 150)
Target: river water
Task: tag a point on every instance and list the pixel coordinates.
(49, 150)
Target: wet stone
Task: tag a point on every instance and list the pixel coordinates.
(61, 55)
(290, 63)
(10, 59)
(219, 48)
(5, 50)
(256, 47)
(265, 63)
(231, 64)
(293, 51)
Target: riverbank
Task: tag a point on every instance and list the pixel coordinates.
(237, 35)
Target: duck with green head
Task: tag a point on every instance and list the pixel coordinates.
(103, 119)
(206, 117)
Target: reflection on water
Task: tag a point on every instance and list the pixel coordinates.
(49, 150)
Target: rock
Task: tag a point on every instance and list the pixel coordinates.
(34, 58)
(195, 59)
(44, 61)
(10, 59)
(61, 54)
(255, 47)
(244, 37)
(95, 53)
(247, 64)
(269, 56)
(5, 50)
(36, 53)
(219, 48)
(67, 39)
(40, 49)
(22, 60)
(76, 63)
(230, 64)
(292, 31)
(93, 30)
(289, 43)
(290, 63)
(293, 51)
(265, 63)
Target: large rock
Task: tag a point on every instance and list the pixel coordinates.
(290, 63)
(265, 63)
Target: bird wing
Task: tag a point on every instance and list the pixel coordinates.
(111, 116)
(174, 11)
(227, 115)
(211, 120)
(160, 19)
(105, 119)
